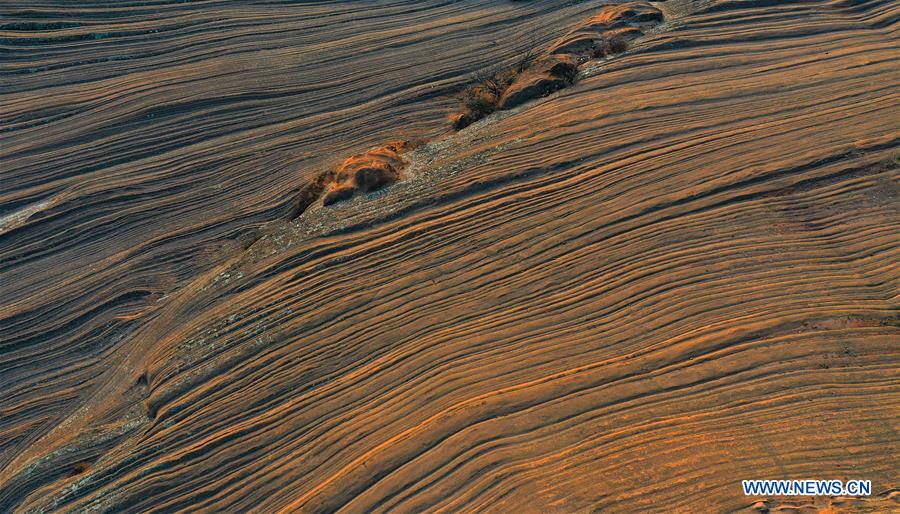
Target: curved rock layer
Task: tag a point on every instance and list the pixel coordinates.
(144, 143)
(628, 296)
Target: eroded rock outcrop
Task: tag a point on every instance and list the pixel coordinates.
(606, 33)
(366, 172)
(621, 21)
(548, 74)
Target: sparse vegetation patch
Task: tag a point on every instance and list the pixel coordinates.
(605, 34)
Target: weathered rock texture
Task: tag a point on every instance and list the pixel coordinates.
(548, 75)
(365, 172)
(606, 33)
(675, 274)
(626, 21)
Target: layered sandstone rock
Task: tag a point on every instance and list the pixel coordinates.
(626, 21)
(365, 172)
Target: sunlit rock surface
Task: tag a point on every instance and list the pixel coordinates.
(627, 295)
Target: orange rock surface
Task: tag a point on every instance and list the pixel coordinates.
(367, 172)
(627, 20)
(678, 273)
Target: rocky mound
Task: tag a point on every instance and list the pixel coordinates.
(549, 74)
(365, 172)
(619, 21)
(605, 33)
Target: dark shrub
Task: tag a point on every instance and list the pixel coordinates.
(478, 101)
(609, 46)
(486, 89)
(615, 45)
(567, 71)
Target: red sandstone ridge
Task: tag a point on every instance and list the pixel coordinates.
(550, 73)
(367, 172)
(605, 33)
(622, 21)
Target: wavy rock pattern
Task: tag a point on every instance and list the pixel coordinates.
(679, 273)
(142, 144)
